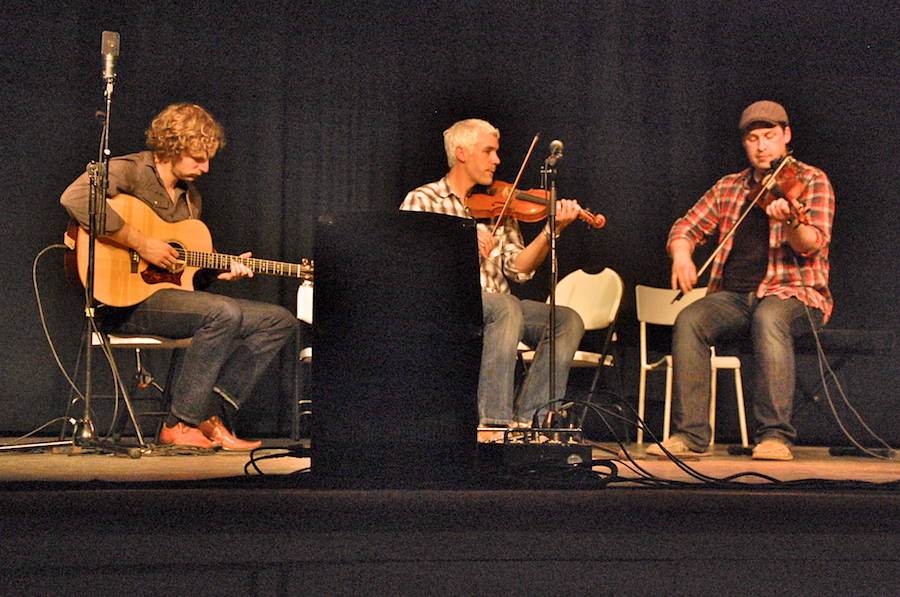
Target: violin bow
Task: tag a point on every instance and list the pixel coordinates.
(515, 185)
(767, 184)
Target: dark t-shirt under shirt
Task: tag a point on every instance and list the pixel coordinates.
(748, 260)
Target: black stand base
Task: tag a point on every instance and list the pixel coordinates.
(69, 446)
(739, 451)
(869, 452)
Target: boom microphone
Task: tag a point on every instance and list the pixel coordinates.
(109, 47)
(556, 152)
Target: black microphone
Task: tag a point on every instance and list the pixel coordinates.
(109, 47)
(556, 152)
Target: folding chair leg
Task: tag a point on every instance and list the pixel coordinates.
(742, 416)
(667, 414)
(302, 407)
(712, 406)
(119, 423)
(642, 397)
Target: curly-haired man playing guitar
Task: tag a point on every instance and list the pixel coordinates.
(233, 340)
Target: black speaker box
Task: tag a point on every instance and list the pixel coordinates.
(396, 350)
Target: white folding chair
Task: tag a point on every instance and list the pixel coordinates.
(656, 306)
(597, 299)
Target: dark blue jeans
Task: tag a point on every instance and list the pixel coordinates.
(772, 324)
(234, 341)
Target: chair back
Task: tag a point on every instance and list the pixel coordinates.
(595, 297)
(305, 302)
(657, 305)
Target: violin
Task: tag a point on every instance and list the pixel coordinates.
(525, 206)
(782, 182)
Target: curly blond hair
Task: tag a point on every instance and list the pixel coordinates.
(184, 128)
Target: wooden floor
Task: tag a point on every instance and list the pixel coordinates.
(69, 464)
(723, 466)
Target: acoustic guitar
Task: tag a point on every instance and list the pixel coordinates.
(122, 278)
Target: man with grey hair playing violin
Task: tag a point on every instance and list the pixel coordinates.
(769, 277)
(472, 147)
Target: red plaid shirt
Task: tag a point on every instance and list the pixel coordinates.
(722, 205)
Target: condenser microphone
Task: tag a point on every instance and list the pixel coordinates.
(109, 47)
(556, 152)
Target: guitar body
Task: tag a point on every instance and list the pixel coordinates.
(121, 277)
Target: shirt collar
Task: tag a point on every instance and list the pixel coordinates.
(748, 177)
(445, 191)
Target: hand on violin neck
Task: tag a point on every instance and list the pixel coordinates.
(567, 211)
(779, 210)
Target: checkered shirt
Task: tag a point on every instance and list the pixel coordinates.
(722, 205)
(437, 197)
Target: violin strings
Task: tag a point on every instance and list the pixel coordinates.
(512, 191)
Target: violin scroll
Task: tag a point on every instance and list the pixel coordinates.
(595, 220)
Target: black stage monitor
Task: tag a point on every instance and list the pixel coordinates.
(396, 350)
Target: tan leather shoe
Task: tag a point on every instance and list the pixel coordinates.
(772, 449)
(215, 430)
(184, 435)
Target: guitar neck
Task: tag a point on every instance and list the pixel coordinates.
(221, 261)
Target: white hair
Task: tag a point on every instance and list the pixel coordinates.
(465, 134)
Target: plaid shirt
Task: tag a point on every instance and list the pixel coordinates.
(437, 197)
(722, 205)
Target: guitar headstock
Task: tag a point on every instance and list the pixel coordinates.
(306, 269)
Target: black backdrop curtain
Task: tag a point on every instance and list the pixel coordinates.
(339, 106)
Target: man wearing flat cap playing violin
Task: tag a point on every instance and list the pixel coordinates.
(472, 147)
(769, 279)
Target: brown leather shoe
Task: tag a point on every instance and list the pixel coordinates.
(184, 435)
(215, 430)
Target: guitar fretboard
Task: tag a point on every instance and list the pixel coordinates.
(221, 261)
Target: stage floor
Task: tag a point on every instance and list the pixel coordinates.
(281, 458)
(722, 524)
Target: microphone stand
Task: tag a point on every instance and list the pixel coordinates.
(98, 173)
(83, 435)
(548, 174)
